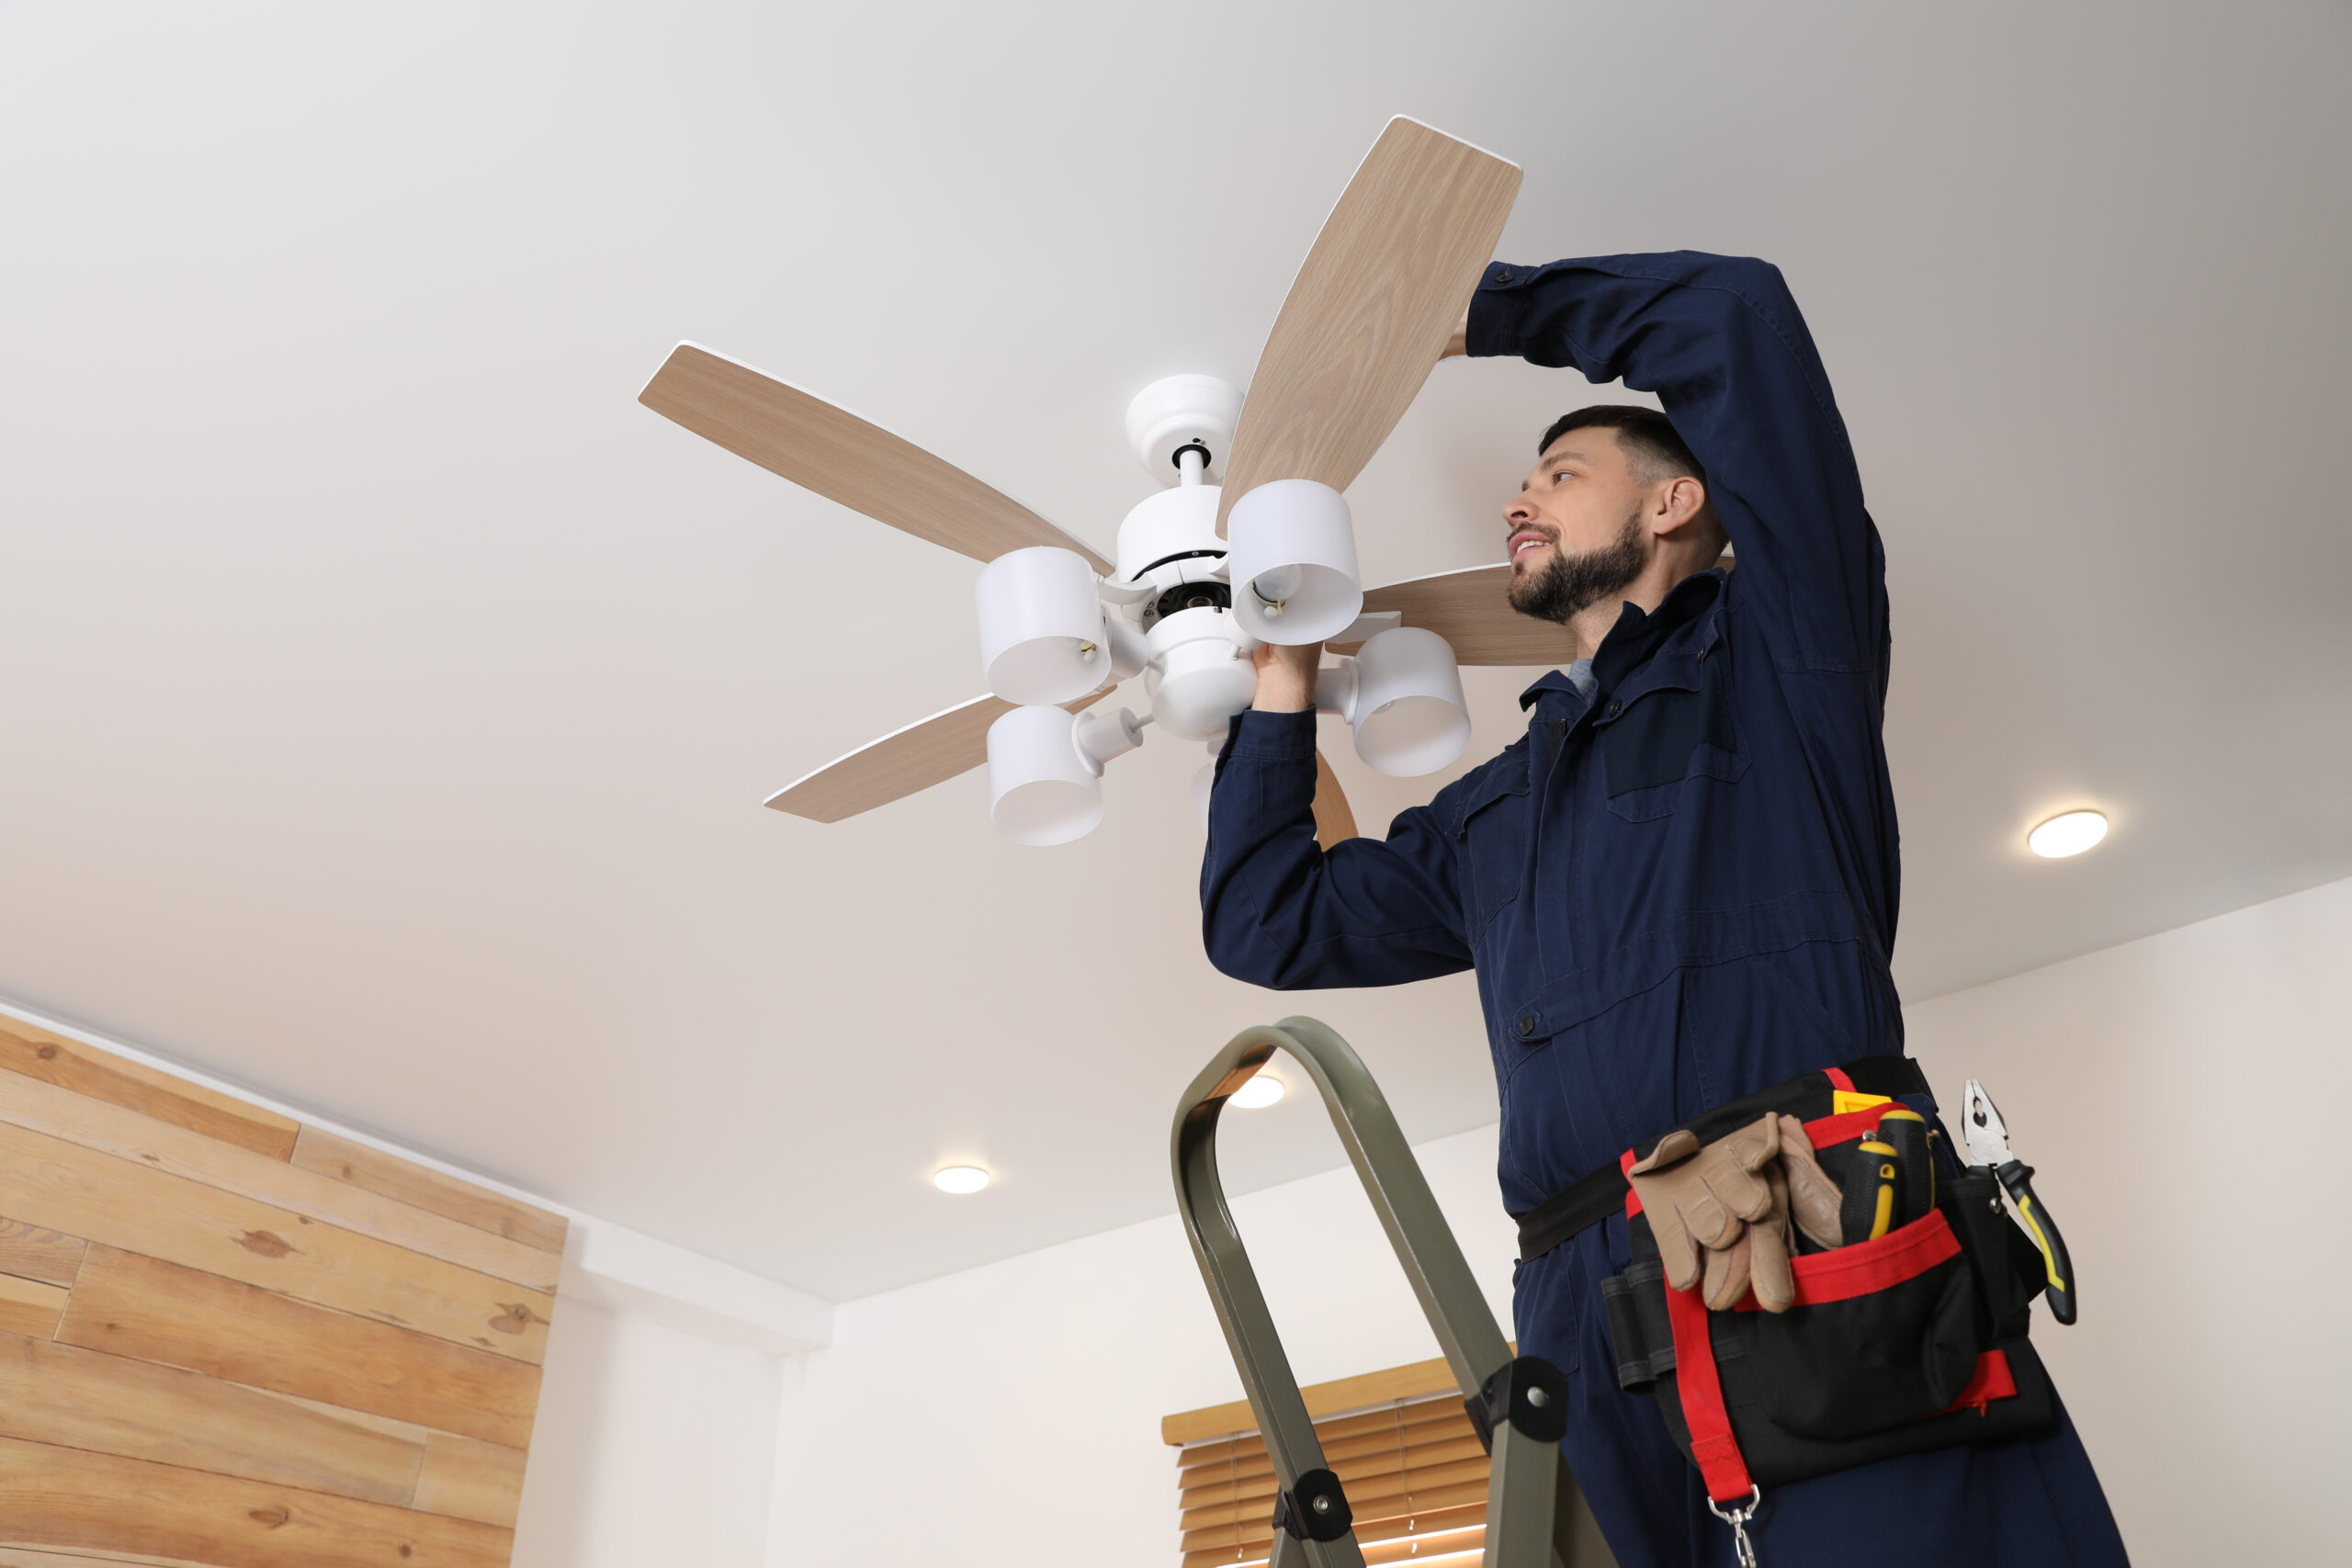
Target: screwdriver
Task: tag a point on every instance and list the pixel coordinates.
(1906, 1131)
(1868, 1211)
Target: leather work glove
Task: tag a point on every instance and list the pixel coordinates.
(1815, 1196)
(1758, 1257)
(1701, 1197)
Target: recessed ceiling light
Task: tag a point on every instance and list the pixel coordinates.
(959, 1179)
(1259, 1092)
(2068, 834)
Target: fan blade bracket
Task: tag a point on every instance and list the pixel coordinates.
(1364, 628)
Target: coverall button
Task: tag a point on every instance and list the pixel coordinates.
(1527, 1026)
(1615, 707)
(1502, 275)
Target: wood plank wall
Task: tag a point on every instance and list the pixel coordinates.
(230, 1339)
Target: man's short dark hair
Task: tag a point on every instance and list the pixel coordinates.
(1653, 448)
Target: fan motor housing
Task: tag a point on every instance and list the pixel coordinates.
(1178, 411)
(1170, 538)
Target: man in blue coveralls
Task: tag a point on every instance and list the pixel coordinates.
(1679, 886)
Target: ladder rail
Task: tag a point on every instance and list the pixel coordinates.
(1528, 1523)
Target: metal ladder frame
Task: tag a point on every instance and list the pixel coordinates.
(1535, 1516)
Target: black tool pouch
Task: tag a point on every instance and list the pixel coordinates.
(1911, 1341)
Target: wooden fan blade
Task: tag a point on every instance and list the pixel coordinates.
(1333, 820)
(843, 457)
(1371, 310)
(928, 752)
(1471, 609)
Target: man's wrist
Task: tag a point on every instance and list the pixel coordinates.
(1282, 701)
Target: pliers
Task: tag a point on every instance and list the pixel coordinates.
(1988, 1141)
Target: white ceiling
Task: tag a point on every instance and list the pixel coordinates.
(389, 698)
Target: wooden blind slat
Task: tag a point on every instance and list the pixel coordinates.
(1373, 1475)
(1430, 1444)
(1415, 1471)
(1433, 1414)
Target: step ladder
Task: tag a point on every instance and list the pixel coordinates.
(1535, 1515)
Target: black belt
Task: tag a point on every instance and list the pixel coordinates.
(1598, 1194)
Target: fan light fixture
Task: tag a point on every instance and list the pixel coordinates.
(1045, 769)
(1258, 1093)
(1041, 626)
(1248, 543)
(1402, 695)
(2069, 833)
(1294, 562)
(959, 1179)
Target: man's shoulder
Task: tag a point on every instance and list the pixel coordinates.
(1504, 773)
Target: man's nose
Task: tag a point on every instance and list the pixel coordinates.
(1516, 510)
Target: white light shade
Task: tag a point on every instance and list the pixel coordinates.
(2069, 834)
(1258, 1093)
(1040, 627)
(1409, 715)
(1291, 543)
(1041, 790)
(959, 1179)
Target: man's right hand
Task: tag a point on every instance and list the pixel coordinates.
(1285, 676)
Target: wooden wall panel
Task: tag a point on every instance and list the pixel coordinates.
(33, 1253)
(27, 1306)
(101, 1075)
(470, 1480)
(42, 1108)
(228, 1340)
(127, 1204)
(67, 1498)
(129, 1305)
(429, 1189)
(81, 1399)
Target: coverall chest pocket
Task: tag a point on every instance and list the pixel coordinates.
(1493, 838)
(1684, 727)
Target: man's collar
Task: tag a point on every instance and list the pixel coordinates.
(1558, 680)
(1637, 636)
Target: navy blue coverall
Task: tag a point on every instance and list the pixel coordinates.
(1675, 894)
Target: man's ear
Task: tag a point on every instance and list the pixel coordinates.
(1679, 501)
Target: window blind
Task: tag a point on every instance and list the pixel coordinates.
(1413, 1468)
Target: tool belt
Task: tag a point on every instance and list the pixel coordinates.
(1912, 1340)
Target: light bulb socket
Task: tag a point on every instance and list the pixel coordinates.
(1295, 547)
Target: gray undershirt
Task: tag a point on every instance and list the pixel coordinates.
(1581, 677)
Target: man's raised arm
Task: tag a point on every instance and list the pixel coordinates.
(1720, 342)
(1277, 910)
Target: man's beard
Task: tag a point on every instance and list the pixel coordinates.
(1571, 584)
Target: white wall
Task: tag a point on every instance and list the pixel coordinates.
(652, 1445)
(2181, 1098)
(949, 1417)
(2177, 1094)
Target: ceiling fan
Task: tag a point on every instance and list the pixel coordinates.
(1061, 627)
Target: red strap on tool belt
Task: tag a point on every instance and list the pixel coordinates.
(1713, 1446)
